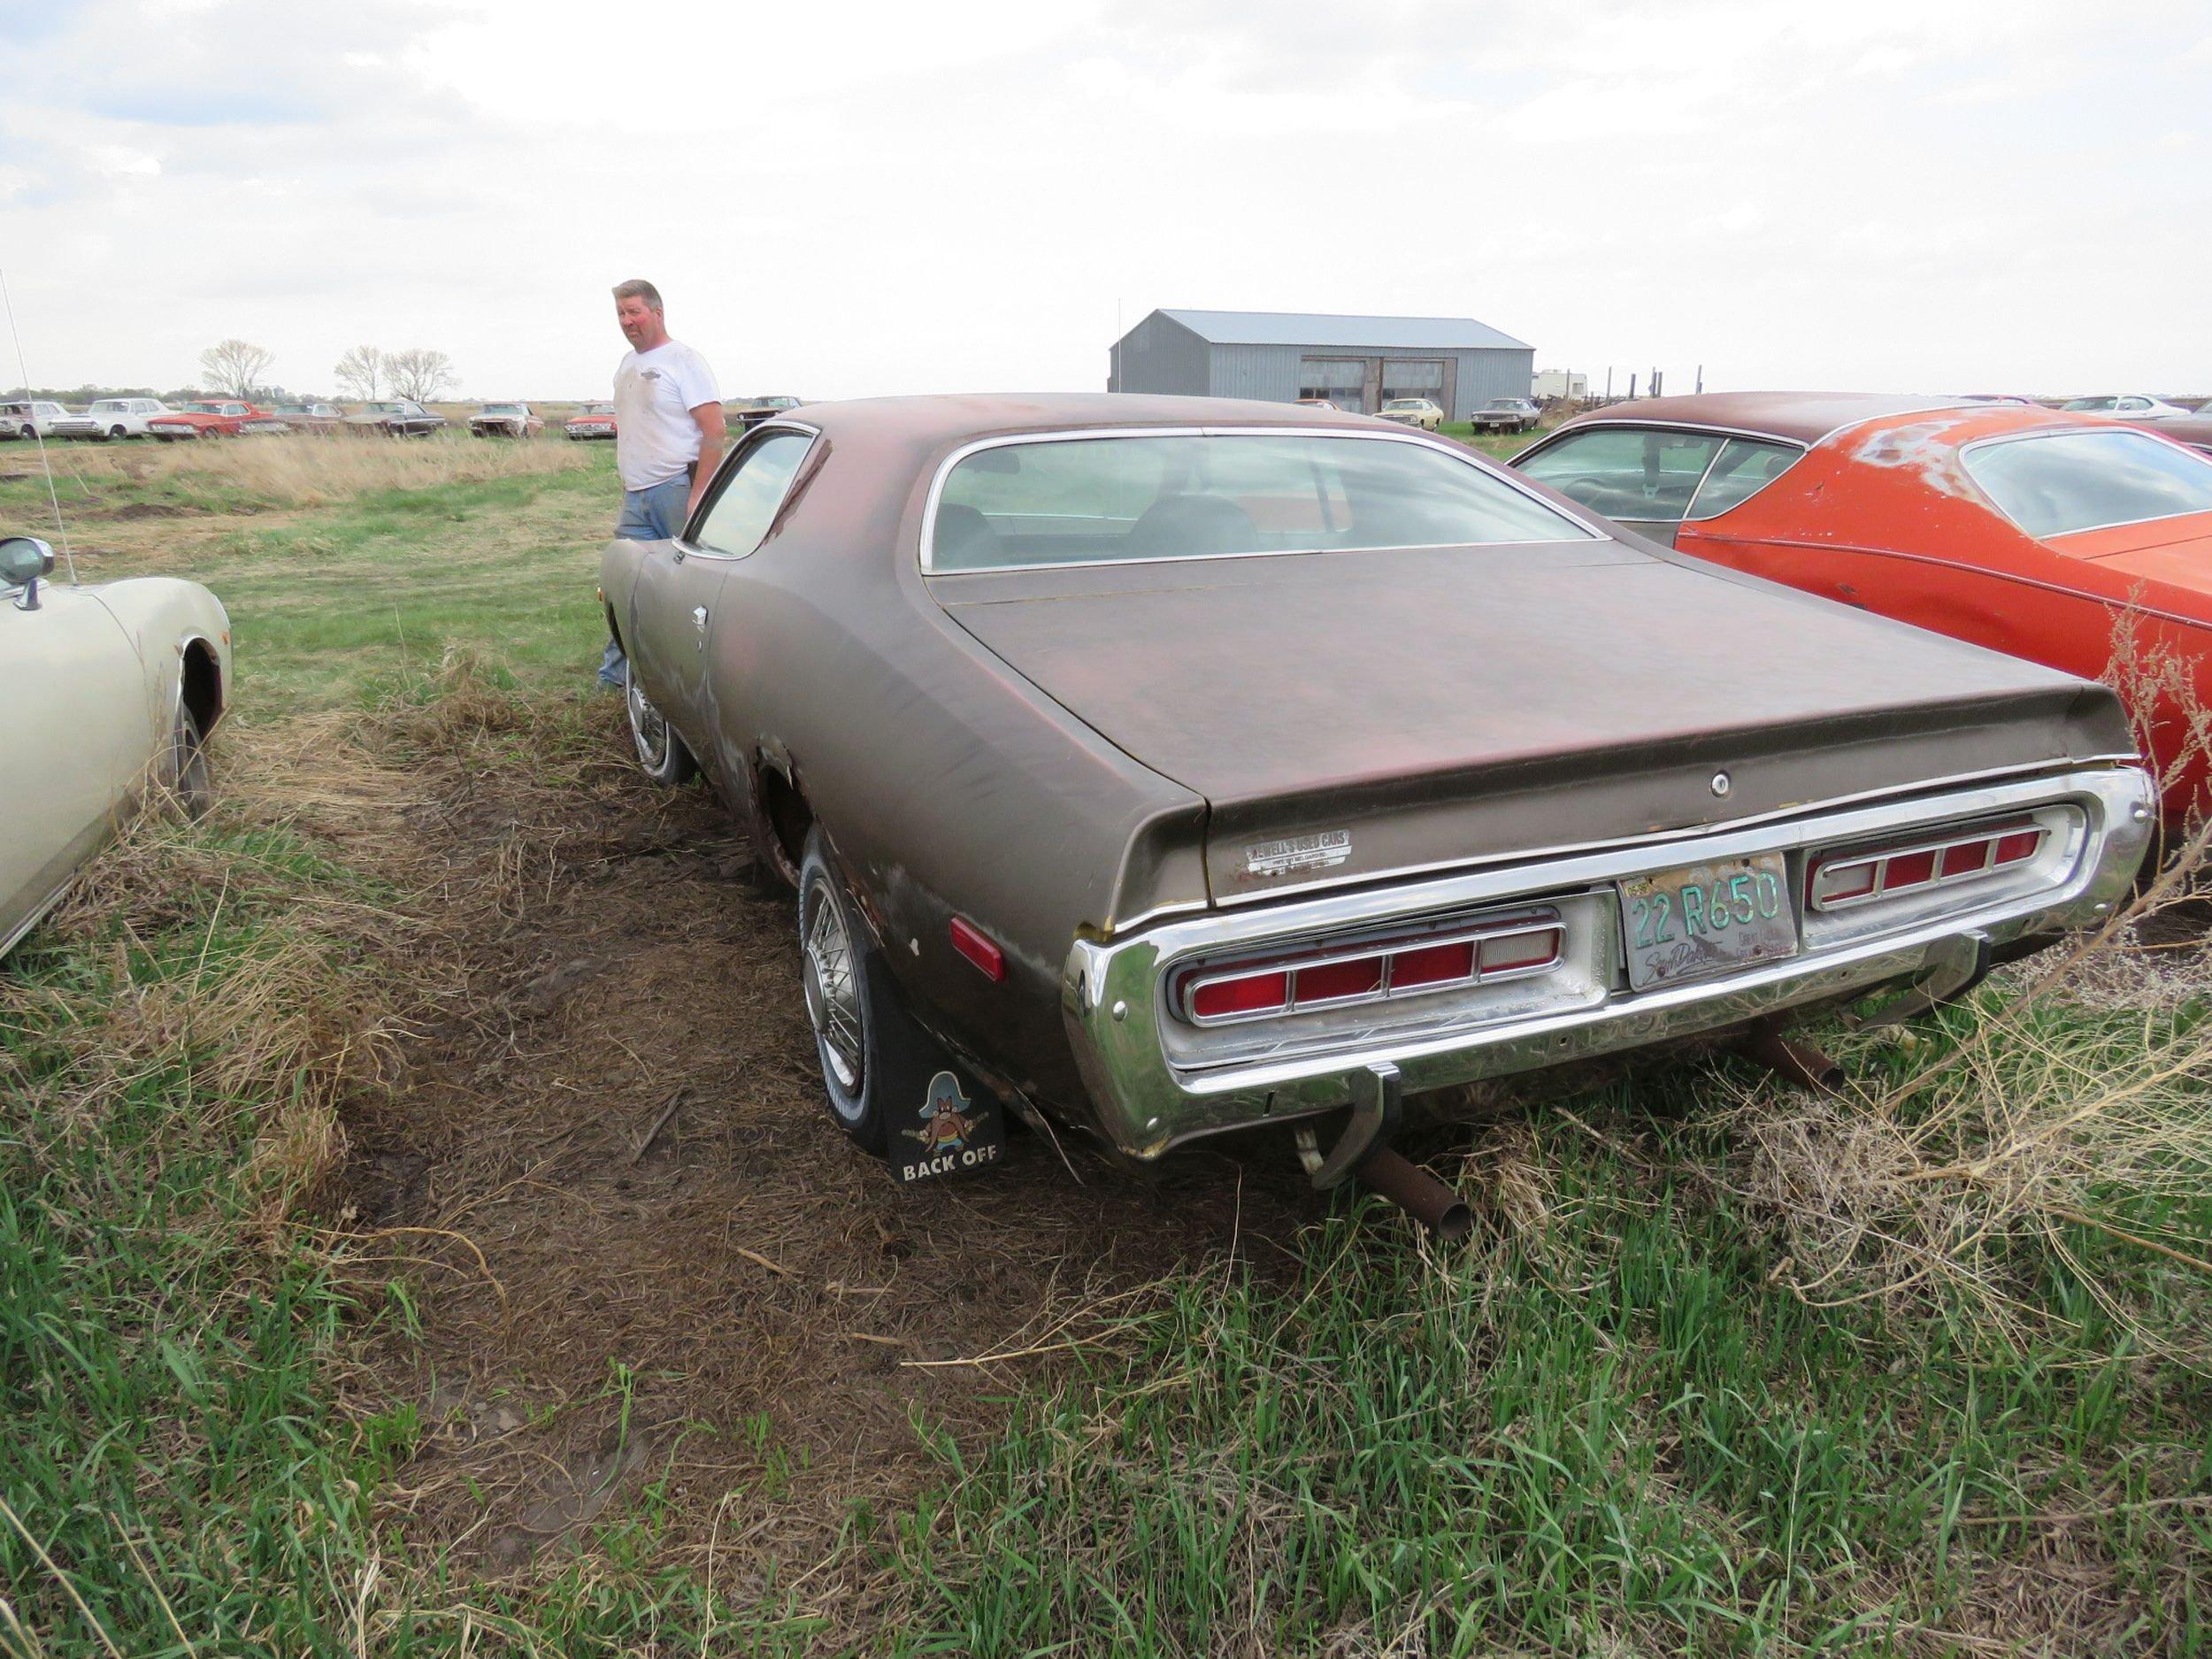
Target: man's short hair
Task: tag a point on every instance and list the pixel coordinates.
(639, 288)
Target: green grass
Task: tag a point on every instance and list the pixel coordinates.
(332, 603)
(327, 606)
(1609, 1432)
(1612, 1426)
(1497, 445)
(171, 1434)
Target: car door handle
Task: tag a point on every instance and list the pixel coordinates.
(699, 619)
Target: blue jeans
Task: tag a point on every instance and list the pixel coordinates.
(652, 514)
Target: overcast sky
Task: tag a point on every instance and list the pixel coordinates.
(838, 200)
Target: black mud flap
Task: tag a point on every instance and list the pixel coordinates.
(939, 1122)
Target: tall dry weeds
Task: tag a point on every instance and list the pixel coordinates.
(240, 963)
(305, 470)
(2065, 1117)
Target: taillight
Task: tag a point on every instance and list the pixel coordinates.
(1241, 994)
(1859, 875)
(1510, 947)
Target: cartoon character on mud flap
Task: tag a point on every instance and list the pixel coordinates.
(946, 1125)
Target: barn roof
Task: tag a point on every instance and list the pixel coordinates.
(1325, 329)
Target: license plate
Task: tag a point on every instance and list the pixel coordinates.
(1686, 924)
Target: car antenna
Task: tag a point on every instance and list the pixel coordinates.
(22, 368)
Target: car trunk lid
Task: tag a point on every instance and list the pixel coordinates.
(1347, 716)
(2176, 550)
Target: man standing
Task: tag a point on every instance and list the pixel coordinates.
(668, 430)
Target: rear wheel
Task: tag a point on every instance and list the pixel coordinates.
(661, 753)
(841, 998)
(184, 770)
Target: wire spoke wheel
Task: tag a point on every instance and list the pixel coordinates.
(832, 993)
(649, 731)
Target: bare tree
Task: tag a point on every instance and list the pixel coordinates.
(420, 374)
(236, 367)
(361, 372)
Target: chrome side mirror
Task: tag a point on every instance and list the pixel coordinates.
(23, 560)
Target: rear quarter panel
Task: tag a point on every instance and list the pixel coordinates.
(945, 783)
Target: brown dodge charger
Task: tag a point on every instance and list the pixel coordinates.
(1176, 766)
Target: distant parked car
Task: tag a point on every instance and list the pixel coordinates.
(400, 418)
(1413, 411)
(113, 688)
(751, 411)
(1330, 404)
(2132, 406)
(1507, 414)
(2193, 429)
(311, 417)
(597, 420)
(2027, 530)
(505, 420)
(214, 417)
(111, 418)
(35, 417)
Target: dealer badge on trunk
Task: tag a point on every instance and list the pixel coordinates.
(956, 1135)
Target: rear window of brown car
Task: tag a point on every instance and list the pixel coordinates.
(1100, 499)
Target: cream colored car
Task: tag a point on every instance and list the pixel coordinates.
(1413, 411)
(112, 690)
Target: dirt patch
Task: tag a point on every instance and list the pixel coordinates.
(640, 1251)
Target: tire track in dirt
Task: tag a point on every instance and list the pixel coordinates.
(616, 1102)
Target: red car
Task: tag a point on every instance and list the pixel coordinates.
(596, 421)
(2032, 531)
(214, 417)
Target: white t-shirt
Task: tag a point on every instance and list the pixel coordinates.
(655, 392)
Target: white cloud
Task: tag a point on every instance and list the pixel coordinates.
(842, 199)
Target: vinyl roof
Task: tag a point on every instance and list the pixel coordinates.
(1317, 328)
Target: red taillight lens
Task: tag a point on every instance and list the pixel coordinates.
(1248, 994)
(1968, 859)
(1515, 943)
(1339, 980)
(1908, 870)
(1431, 964)
(1937, 860)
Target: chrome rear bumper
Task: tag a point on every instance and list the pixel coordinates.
(1114, 994)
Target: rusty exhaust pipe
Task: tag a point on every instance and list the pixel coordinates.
(1419, 1193)
(1798, 1061)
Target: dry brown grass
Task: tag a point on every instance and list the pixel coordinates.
(303, 469)
(248, 952)
(2070, 1112)
(230, 960)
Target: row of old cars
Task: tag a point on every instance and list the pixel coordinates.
(108, 418)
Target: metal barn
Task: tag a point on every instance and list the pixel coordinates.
(1357, 362)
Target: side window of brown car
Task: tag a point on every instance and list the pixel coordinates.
(745, 503)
